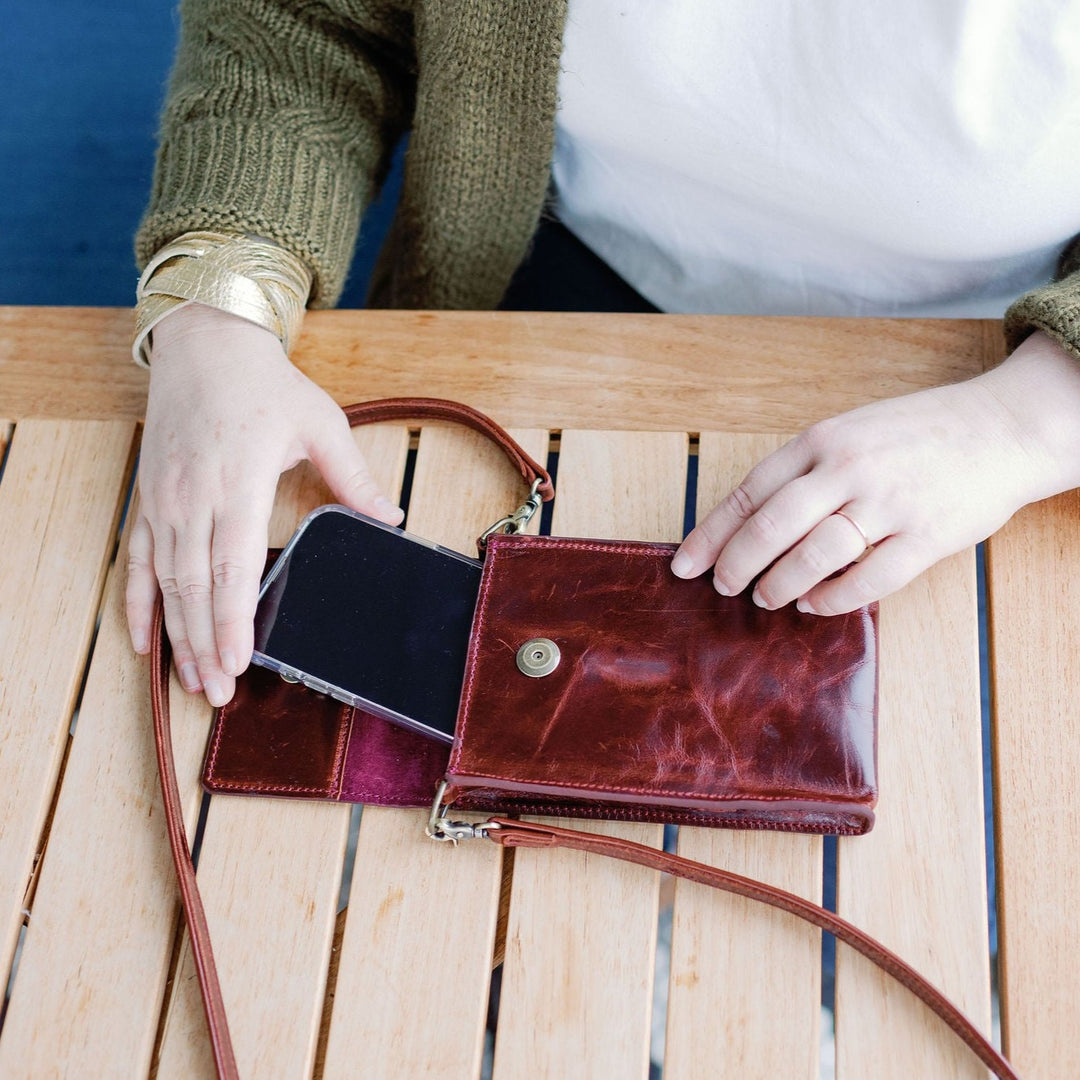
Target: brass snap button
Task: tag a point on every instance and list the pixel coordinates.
(538, 657)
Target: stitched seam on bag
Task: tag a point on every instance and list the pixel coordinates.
(577, 786)
(474, 645)
(644, 548)
(379, 798)
(215, 744)
(344, 740)
(257, 788)
(676, 816)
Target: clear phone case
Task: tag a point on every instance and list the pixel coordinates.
(371, 615)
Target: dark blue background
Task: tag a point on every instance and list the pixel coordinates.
(82, 87)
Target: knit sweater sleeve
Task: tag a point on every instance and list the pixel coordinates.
(280, 119)
(1054, 308)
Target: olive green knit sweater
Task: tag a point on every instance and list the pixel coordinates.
(281, 118)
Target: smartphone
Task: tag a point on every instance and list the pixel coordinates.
(371, 615)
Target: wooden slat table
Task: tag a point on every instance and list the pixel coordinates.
(99, 978)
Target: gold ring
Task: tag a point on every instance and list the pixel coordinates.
(867, 546)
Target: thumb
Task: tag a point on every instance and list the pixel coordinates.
(345, 471)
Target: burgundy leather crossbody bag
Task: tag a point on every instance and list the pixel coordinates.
(634, 695)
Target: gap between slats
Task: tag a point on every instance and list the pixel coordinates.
(7, 441)
(87, 658)
(7, 428)
(1033, 578)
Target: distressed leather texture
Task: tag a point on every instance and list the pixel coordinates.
(670, 702)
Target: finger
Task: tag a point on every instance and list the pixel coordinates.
(344, 469)
(142, 586)
(890, 566)
(237, 557)
(776, 527)
(832, 544)
(699, 551)
(194, 591)
(183, 655)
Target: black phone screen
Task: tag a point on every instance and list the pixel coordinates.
(370, 615)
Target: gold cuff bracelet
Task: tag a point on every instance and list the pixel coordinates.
(242, 275)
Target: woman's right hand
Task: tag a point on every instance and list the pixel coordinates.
(227, 414)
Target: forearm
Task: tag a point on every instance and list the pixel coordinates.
(279, 122)
(1038, 387)
(1039, 384)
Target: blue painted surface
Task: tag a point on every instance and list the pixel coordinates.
(84, 84)
(82, 87)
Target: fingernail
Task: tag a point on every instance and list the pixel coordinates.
(139, 641)
(189, 676)
(681, 564)
(385, 508)
(720, 587)
(804, 607)
(228, 662)
(759, 599)
(214, 692)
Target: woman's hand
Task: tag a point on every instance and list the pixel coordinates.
(226, 415)
(921, 476)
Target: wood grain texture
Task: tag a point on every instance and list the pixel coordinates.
(88, 991)
(676, 372)
(581, 940)
(60, 501)
(918, 881)
(412, 987)
(993, 343)
(106, 876)
(273, 865)
(1034, 592)
(733, 962)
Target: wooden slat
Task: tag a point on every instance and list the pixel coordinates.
(101, 933)
(60, 501)
(733, 961)
(677, 372)
(411, 995)
(274, 866)
(918, 881)
(1034, 590)
(580, 955)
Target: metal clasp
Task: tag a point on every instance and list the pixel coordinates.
(439, 827)
(518, 520)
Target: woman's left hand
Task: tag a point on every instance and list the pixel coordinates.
(889, 489)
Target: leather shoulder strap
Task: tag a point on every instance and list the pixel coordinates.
(502, 830)
(417, 408)
(511, 833)
(191, 899)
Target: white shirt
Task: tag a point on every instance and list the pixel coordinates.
(832, 158)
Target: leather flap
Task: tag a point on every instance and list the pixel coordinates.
(666, 698)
